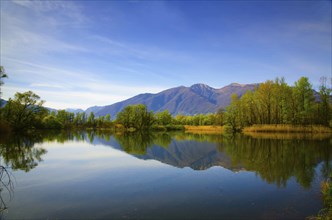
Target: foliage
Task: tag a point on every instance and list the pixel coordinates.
(2, 76)
(326, 190)
(288, 128)
(324, 109)
(205, 129)
(25, 111)
(277, 160)
(51, 122)
(275, 102)
(136, 116)
(271, 103)
(135, 142)
(163, 118)
(19, 153)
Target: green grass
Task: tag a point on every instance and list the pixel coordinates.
(326, 212)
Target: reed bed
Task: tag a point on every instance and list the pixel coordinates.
(204, 129)
(289, 136)
(288, 129)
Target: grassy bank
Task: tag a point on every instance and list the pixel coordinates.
(288, 129)
(326, 212)
(290, 136)
(204, 129)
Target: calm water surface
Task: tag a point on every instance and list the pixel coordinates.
(162, 176)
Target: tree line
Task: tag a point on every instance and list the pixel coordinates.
(272, 102)
(275, 102)
(25, 112)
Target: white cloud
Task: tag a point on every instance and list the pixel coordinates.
(145, 52)
(67, 9)
(89, 94)
(47, 85)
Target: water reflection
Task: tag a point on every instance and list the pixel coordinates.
(279, 160)
(16, 153)
(6, 185)
(275, 160)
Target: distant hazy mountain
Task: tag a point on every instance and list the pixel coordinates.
(93, 109)
(2, 102)
(196, 99)
(74, 110)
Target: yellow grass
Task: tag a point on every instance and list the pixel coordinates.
(289, 136)
(288, 129)
(204, 129)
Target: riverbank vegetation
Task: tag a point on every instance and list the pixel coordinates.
(326, 191)
(276, 103)
(281, 128)
(273, 106)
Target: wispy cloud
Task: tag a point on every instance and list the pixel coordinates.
(151, 53)
(67, 9)
(82, 53)
(69, 88)
(64, 98)
(46, 85)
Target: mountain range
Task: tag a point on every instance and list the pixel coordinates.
(196, 99)
(193, 154)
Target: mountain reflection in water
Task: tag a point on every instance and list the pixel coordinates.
(275, 158)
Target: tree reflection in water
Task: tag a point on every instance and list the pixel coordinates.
(137, 142)
(16, 153)
(274, 159)
(6, 184)
(278, 159)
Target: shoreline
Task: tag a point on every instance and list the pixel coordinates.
(266, 128)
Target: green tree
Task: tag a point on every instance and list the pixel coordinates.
(25, 111)
(324, 115)
(304, 100)
(136, 116)
(163, 118)
(51, 122)
(79, 119)
(65, 118)
(91, 120)
(2, 76)
(108, 118)
(264, 95)
(232, 115)
(219, 119)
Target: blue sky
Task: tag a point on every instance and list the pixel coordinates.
(76, 54)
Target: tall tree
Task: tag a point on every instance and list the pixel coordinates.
(264, 95)
(304, 98)
(163, 118)
(2, 76)
(91, 120)
(25, 111)
(324, 105)
(232, 113)
(136, 116)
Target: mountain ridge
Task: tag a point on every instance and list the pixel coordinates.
(197, 99)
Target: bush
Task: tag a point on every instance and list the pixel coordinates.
(174, 127)
(51, 122)
(228, 129)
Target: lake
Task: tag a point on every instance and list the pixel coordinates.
(100, 175)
